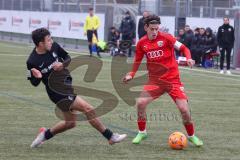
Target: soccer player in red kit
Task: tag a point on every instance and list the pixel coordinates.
(158, 48)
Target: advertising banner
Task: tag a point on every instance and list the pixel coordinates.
(64, 25)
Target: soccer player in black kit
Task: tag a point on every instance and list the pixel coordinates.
(46, 58)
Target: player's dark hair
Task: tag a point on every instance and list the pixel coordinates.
(197, 29)
(226, 17)
(90, 9)
(128, 13)
(39, 35)
(152, 19)
(112, 27)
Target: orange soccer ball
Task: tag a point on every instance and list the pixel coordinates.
(177, 140)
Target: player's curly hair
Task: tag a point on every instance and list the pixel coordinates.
(39, 35)
(152, 19)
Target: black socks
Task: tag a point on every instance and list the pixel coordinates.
(107, 134)
(48, 134)
(90, 48)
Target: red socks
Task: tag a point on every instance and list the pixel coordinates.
(189, 128)
(142, 124)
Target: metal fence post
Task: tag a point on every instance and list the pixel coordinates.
(3, 4)
(177, 16)
(76, 44)
(236, 55)
(211, 8)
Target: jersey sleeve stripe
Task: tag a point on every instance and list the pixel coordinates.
(177, 45)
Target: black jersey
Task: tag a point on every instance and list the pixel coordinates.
(58, 83)
(225, 36)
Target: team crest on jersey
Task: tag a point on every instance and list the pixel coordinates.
(70, 98)
(182, 89)
(54, 54)
(160, 43)
(229, 29)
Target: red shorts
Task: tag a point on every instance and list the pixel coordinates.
(174, 89)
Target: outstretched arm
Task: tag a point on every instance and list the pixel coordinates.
(182, 48)
(137, 61)
(33, 75)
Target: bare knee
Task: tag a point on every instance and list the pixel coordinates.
(183, 108)
(142, 103)
(87, 108)
(81, 105)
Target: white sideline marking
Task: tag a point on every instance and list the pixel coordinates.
(13, 55)
(214, 74)
(226, 77)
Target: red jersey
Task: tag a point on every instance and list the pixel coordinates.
(161, 61)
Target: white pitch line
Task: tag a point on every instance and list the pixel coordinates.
(207, 71)
(225, 78)
(220, 76)
(13, 55)
(183, 68)
(16, 46)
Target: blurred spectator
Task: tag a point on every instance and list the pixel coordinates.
(225, 37)
(141, 30)
(210, 44)
(113, 41)
(202, 41)
(195, 47)
(210, 41)
(180, 38)
(188, 36)
(202, 31)
(127, 29)
(113, 36)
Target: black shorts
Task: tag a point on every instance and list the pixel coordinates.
(60, 90)
(62, 100)
(90, 35)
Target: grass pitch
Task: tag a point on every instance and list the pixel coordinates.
(214, 101)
